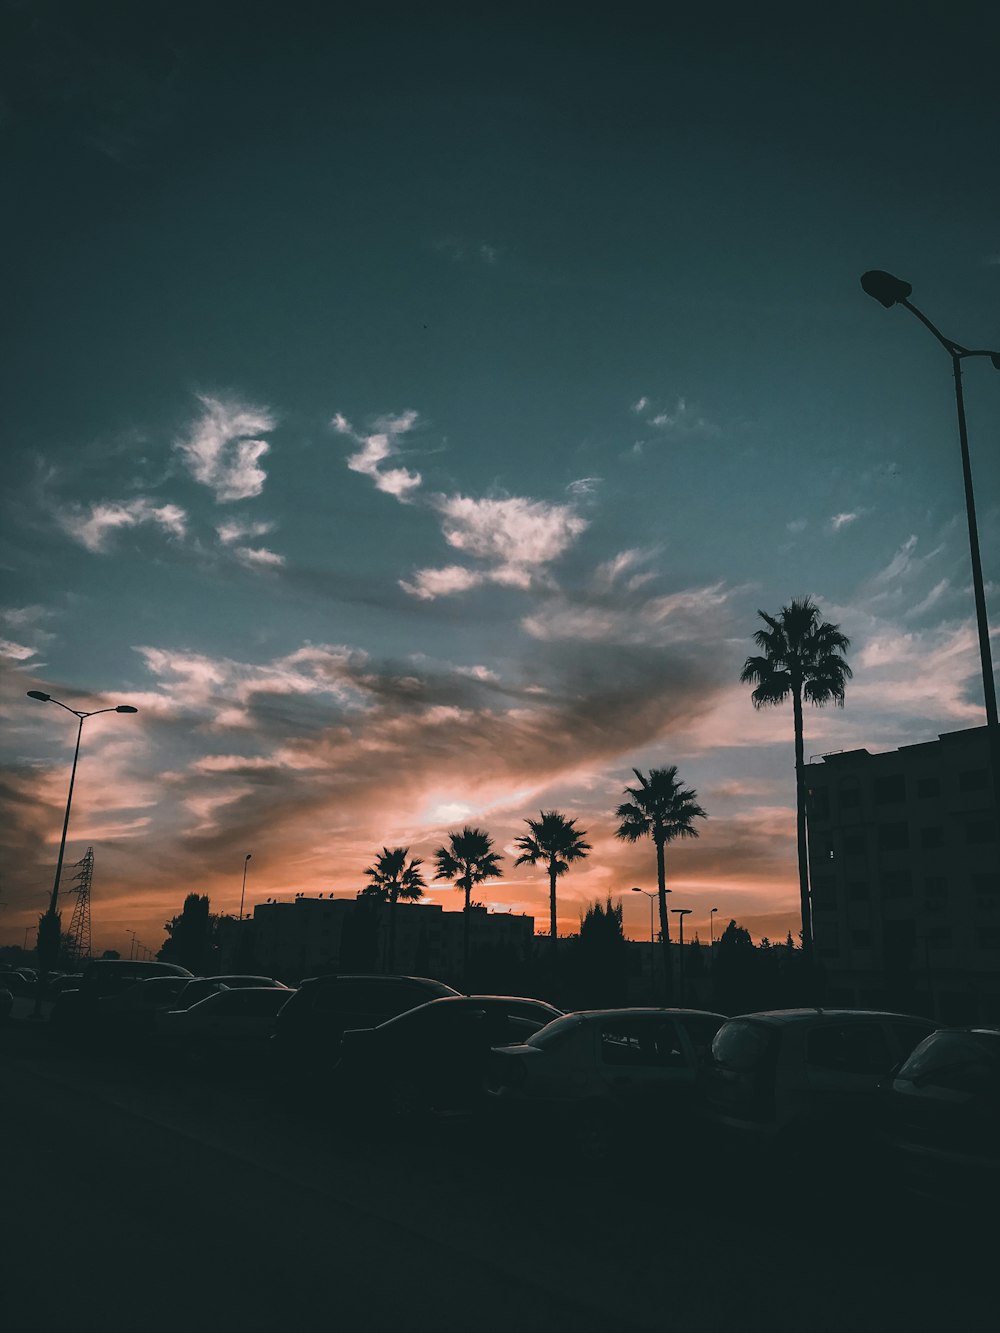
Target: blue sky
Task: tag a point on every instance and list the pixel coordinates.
(410, 412)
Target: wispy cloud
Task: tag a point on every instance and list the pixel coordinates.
(95, 527)
(235, 531)
(681, 420)
(461, 249)
(514, 537)
(376, 448)
(839, 521)
(222, 450)
(259, 557)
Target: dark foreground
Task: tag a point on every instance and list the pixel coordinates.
(140, 1197)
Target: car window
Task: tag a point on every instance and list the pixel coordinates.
(647, 1043)
(553, 1033)
(849, 1048)
(909, 1035)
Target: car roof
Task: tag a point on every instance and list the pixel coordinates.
(782, 1017)
(636, 1011)
(328, 978)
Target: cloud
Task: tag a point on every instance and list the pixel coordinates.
(682, 420)
(259, 557)
(460, 249)
(222, 451)
(797, 525)
(615, 617)
(235, 531)
(376, 448)
(17, 652)
(95, 527)
(839, 521)
(430, 583)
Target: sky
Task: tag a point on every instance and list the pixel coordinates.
(408, 410)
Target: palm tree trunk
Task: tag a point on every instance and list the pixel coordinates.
(800, 827)
(661, 883)
(552, 911)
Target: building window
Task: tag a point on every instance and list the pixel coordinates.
(896, 885)
(928, 787)
(935, 889)
(854, 844)
(988, 937)
(857, 890)
(931, 836)
(850, 798)
(888, 789)
(894, 837)
(823, 892)
(988, 883)
(819, 803)
(861, 939)
(973, 779)
(939, 937)
(981, 830)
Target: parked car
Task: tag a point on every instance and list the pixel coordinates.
(201, 987)
(132, 1012)
(433, 1059)
(17, 983)
(789, 1080)
(309, 1028)
(940, 1116)
(73, 1008)
(592, 1073)
(228, 1022)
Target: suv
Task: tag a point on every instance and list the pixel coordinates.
(101, 979)
(309, 1027)
(792, 1077)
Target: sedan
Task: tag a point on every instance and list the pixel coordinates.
(940, 1113)
(594, 1072)
(199, 988)
(230, 1022)
(432, 1060)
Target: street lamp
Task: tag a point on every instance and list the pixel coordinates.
(47, 943)
(244, 889)
(682, 912)
(890, 291)
(652, 943)
(131, 952)
(711, 932)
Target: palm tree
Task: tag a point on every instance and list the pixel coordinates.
(802, 657)
(663, 810)
(555, 840)
(391, 878)
(468, 859)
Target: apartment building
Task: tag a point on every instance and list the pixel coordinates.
(905, 877)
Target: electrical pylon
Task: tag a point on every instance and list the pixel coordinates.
(78, 951)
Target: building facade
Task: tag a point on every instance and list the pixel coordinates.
(905, 878)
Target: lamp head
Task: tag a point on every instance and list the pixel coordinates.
(885, 289)
(37, 694)
(635, 890)
(126, 708)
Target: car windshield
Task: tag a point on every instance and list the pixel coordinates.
(741, 1045)
(554, 1031)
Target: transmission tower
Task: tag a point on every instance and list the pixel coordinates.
(78, 950)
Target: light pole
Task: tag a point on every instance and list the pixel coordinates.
(131, 952)
(246, 860)
(682, 912)
(711, 932)
(890, 291)
(652, 943)
(47, 943)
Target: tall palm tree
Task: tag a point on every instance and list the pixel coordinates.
(555, 840)
(392, 879)
(467, 859)
(663, 810)
(801, 657)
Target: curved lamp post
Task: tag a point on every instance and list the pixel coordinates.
(652, 942)
(889, 291)
(246, 861)
(45, 941)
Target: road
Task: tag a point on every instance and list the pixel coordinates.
(143, 1197)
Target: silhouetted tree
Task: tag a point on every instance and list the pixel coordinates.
(663, 810)
(392, 878)
(556, 841)
(468, 859)
(802, 656)
(192, 937)
(601, 957)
